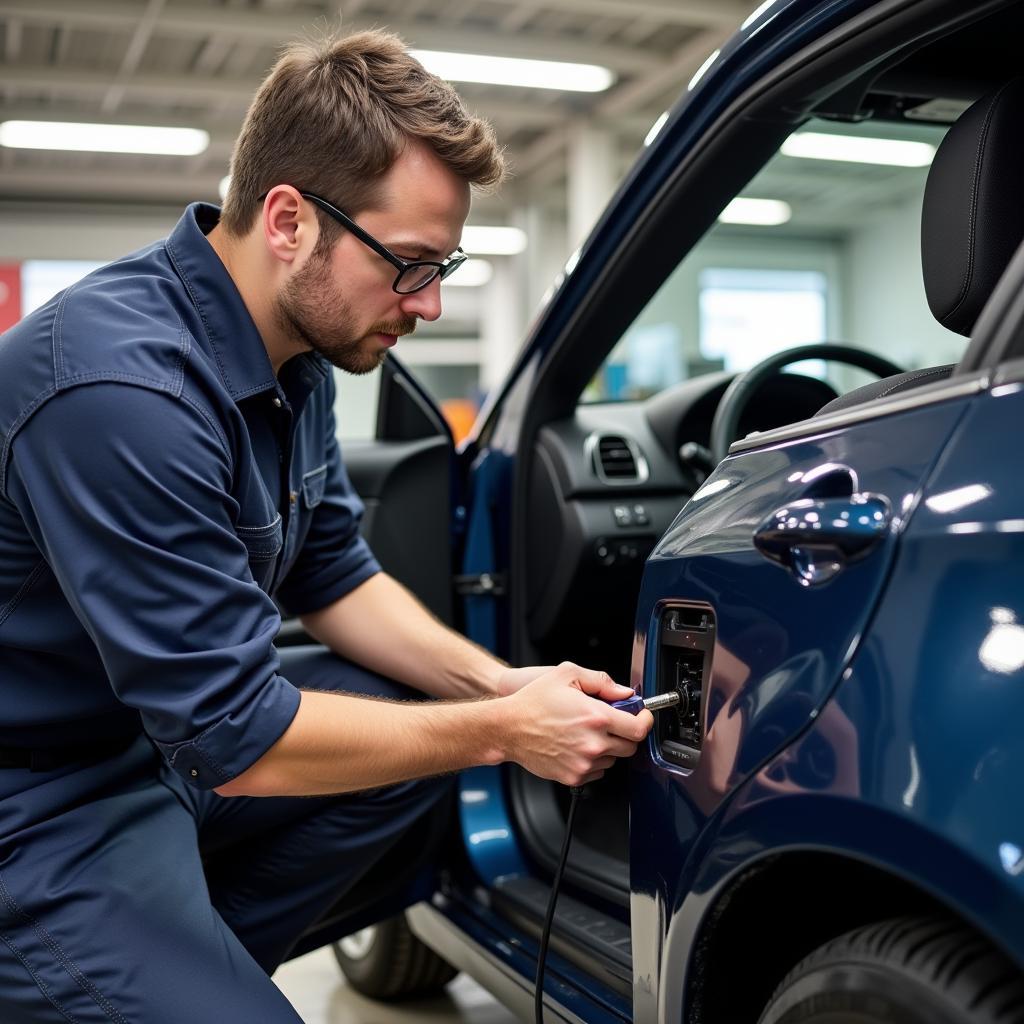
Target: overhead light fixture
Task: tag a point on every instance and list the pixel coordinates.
(859, 149)
(537, 74)
(493, 241)
(656, 128)
(222, 187)
(472, 274)
(766, 212)
(103, 138)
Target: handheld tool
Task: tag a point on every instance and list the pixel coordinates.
(635, 704)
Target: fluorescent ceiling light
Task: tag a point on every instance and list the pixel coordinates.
(222, 187)
(471, 274)
(856, 149)
(656, 128)
(756, 211)
(538, 74)
(103, 138)
(493, 241)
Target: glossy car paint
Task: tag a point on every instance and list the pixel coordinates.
(780, 648)
(914, 765)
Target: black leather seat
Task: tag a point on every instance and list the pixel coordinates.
(971, 224)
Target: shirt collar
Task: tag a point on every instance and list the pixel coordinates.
(237, 346)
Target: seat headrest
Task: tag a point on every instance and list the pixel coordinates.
(973, 215)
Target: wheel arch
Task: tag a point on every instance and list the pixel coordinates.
(747, 920)
(782, 893)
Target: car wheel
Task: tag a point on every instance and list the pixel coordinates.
(903, 971)
(386, 961)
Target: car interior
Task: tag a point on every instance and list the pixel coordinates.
(857, 263)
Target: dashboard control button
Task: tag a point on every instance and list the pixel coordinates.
(623, 515)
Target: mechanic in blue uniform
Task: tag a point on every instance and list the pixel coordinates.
(169, 468)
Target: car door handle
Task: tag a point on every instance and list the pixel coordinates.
(815, 539)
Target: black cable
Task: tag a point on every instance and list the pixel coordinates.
(545, 936)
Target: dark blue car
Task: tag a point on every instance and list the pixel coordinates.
(829, 825)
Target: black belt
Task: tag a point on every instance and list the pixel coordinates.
(48, 759)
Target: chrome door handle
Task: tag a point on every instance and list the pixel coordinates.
(816, 539)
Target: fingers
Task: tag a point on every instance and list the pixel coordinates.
(621, 748)
(594, 683)
(630, 727)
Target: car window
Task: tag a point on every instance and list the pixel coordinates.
(822, 245)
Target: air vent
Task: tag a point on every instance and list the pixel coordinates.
(616, 459)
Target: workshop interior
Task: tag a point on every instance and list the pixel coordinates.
(720, 403)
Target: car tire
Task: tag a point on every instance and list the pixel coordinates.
(902, 971)
(387, 962)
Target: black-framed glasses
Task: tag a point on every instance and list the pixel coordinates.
(411, 276)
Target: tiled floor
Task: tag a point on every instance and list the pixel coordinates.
(317, 990)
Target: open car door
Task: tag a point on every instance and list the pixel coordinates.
(405, 477)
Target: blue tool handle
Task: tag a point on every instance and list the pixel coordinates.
(634, 705)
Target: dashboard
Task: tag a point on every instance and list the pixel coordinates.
(604, 485)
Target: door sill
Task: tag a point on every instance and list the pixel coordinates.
(594, 942)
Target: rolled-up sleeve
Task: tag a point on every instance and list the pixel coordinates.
(126, 492)
(334, 558)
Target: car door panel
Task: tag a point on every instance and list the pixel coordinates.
(406, 486)
(780, 646)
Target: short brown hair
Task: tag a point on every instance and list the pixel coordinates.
(334, 115)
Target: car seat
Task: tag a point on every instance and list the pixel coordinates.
(972, 222)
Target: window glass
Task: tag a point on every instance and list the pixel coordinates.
(828, 251)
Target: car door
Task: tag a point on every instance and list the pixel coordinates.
(405, 476)
(752, 606)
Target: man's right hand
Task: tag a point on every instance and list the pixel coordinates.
(562, 728)
(559, 726)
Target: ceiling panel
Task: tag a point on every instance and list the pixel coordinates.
(198, 64)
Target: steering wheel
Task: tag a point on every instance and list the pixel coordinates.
(725, 426)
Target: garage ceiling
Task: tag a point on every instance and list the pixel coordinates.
(179, 62)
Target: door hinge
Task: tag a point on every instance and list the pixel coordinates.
(483, 584)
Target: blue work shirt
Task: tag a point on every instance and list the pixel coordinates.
(159, 488)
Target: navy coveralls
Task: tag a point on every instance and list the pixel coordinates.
(159, 489)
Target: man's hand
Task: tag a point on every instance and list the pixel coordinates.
(561, 727)
(511, 680)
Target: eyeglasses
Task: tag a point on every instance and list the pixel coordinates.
(411, 276)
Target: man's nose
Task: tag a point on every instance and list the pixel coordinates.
(426, 303)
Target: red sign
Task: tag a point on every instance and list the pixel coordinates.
(10, 294)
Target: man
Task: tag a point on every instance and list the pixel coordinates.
(168, 466)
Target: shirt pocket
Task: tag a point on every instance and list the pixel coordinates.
(313, 486)
(263, 544)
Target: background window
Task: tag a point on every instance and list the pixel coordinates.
(748, 315)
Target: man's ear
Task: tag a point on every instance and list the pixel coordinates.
(290, 227)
